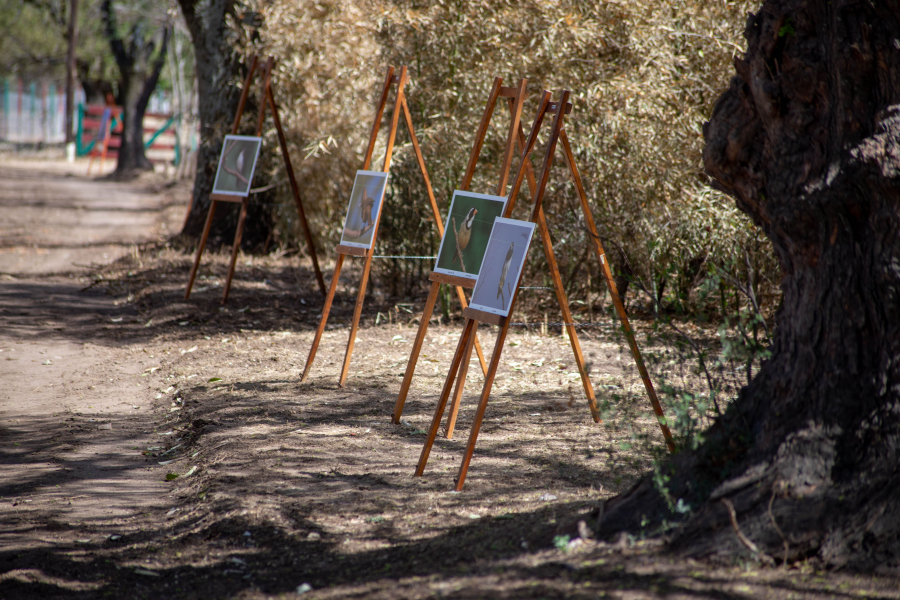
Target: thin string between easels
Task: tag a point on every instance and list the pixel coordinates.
(407, 257)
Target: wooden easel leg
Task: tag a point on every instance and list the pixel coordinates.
(234, 249)
(460, 383)
(414, 354)
(567, 316)
(434, 207)
(357, 313)
(417, 348)
(482, 404)
(267, 78)
(244, 91)
(560, 291)
(379, 112)
(525, 165)
(326, 308)
(200, 247)
(310, 246)
(614, 293)
(445, 394)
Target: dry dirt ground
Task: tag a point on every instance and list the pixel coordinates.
(157, 448)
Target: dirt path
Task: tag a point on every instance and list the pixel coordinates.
(156, 448)
(71, 413)
(57, 220)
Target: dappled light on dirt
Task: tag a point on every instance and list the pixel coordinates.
(156, 448)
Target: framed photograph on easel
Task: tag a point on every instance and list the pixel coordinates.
(502, 266)
(236, 165)
(470, 221)
(364, 209)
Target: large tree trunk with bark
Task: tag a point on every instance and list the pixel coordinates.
(219, 74)
(807, 140)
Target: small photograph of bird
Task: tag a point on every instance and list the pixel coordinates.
(504, 272)
(464, 234)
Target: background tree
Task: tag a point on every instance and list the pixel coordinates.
(806, 140)
(182, 77)
(140, 55)
(34, 42)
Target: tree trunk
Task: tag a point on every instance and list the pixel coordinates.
(807, 140)
(219, 73)
(72, 37)
(139, 69)
(135, 98)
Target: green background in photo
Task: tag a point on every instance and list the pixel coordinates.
(488, 210)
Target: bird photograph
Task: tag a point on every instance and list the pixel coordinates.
(362, 212)
(502, 266)
(239, 161)
(242, 182)
(360, 221)
(464, 234)
(236, 164)
(469, 224)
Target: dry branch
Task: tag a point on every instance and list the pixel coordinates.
(743, 538)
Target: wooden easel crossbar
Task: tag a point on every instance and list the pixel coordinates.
(473, 317)
(266, 97)
(400, 105)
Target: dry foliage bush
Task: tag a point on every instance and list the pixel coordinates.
(324, 85)
(644, 77)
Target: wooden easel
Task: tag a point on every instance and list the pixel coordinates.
(265, 97)
(400, 105)
(473, 317)
(515, 100)
(519, 137)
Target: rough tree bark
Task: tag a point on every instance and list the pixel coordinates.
(219, 72)
(807, 140)
(140, 64)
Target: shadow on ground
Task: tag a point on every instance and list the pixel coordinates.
(273, 484)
